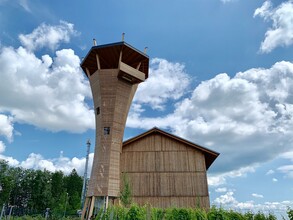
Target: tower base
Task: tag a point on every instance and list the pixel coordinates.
(94, 204)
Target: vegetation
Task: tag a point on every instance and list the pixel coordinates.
(31, 192)
(148, 213)
(125, 194)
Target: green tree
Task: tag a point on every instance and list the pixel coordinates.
(6, 182)
(41, 195)
(125, 194)
(58, 191)
(73, 183)
(21, 191)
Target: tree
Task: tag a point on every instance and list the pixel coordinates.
(6, 182)
(41, 194)
(125, 194)
(58, 191)
(73, 187)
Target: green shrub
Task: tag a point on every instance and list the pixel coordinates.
(259, 216)
(135, 213)
(217, 214)
(290, 213)
(157, 214)
(199, 214)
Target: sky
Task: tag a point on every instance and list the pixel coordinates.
(221, 76)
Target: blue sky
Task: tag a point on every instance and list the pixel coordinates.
(221, 75)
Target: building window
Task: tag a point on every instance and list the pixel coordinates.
(98, 110)
(106, 130)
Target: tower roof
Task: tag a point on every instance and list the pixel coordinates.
(109, 57)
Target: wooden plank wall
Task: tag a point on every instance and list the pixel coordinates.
(164, 172)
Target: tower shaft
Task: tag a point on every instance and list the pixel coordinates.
(114, 71)
(112, 98)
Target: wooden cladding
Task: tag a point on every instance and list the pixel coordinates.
(166, 202)
(168, 184)
(165, 172)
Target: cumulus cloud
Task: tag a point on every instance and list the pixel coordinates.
(218, 179)
(47, 35)
(167, 81)
(47, 92)
(281, 32)
(11, 161)
(250, 112)
(38, 162)
(6, 127)
(247, 118)
(228, 201)
(64, 164)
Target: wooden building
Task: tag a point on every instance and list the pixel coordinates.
(166, 171)
(114, 72)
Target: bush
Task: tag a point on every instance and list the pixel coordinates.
(135, 213)
(290, 213)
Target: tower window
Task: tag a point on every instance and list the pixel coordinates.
(106, 130)
(98, 110)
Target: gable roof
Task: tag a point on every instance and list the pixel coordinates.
(210, 155)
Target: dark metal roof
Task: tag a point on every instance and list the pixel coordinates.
(109, 57)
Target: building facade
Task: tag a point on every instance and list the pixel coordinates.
(166, 171)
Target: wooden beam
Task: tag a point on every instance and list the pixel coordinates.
(84, 208)
(87, 72)
(131, 71)
(120, 57)
(98, 61)
(91, 208)
(138, 66)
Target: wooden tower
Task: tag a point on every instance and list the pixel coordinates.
(114, 71)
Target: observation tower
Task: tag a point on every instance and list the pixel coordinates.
(114, 72)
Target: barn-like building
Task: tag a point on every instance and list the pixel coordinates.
(166, 171)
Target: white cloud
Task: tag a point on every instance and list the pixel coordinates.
(167, 81)
(287, 155)
(64, 164)
(6, 127)
(275, 180)
(2, 147)
(227, 1)
(47, 35)
(270, 172)
(218, 179)
(246, 118)
(287, 169)
(11, 161)
(228, 201)
(46, 92)
(38, 162)
(257, 195)
(25, 5)
(221, 190)
(281, 32)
